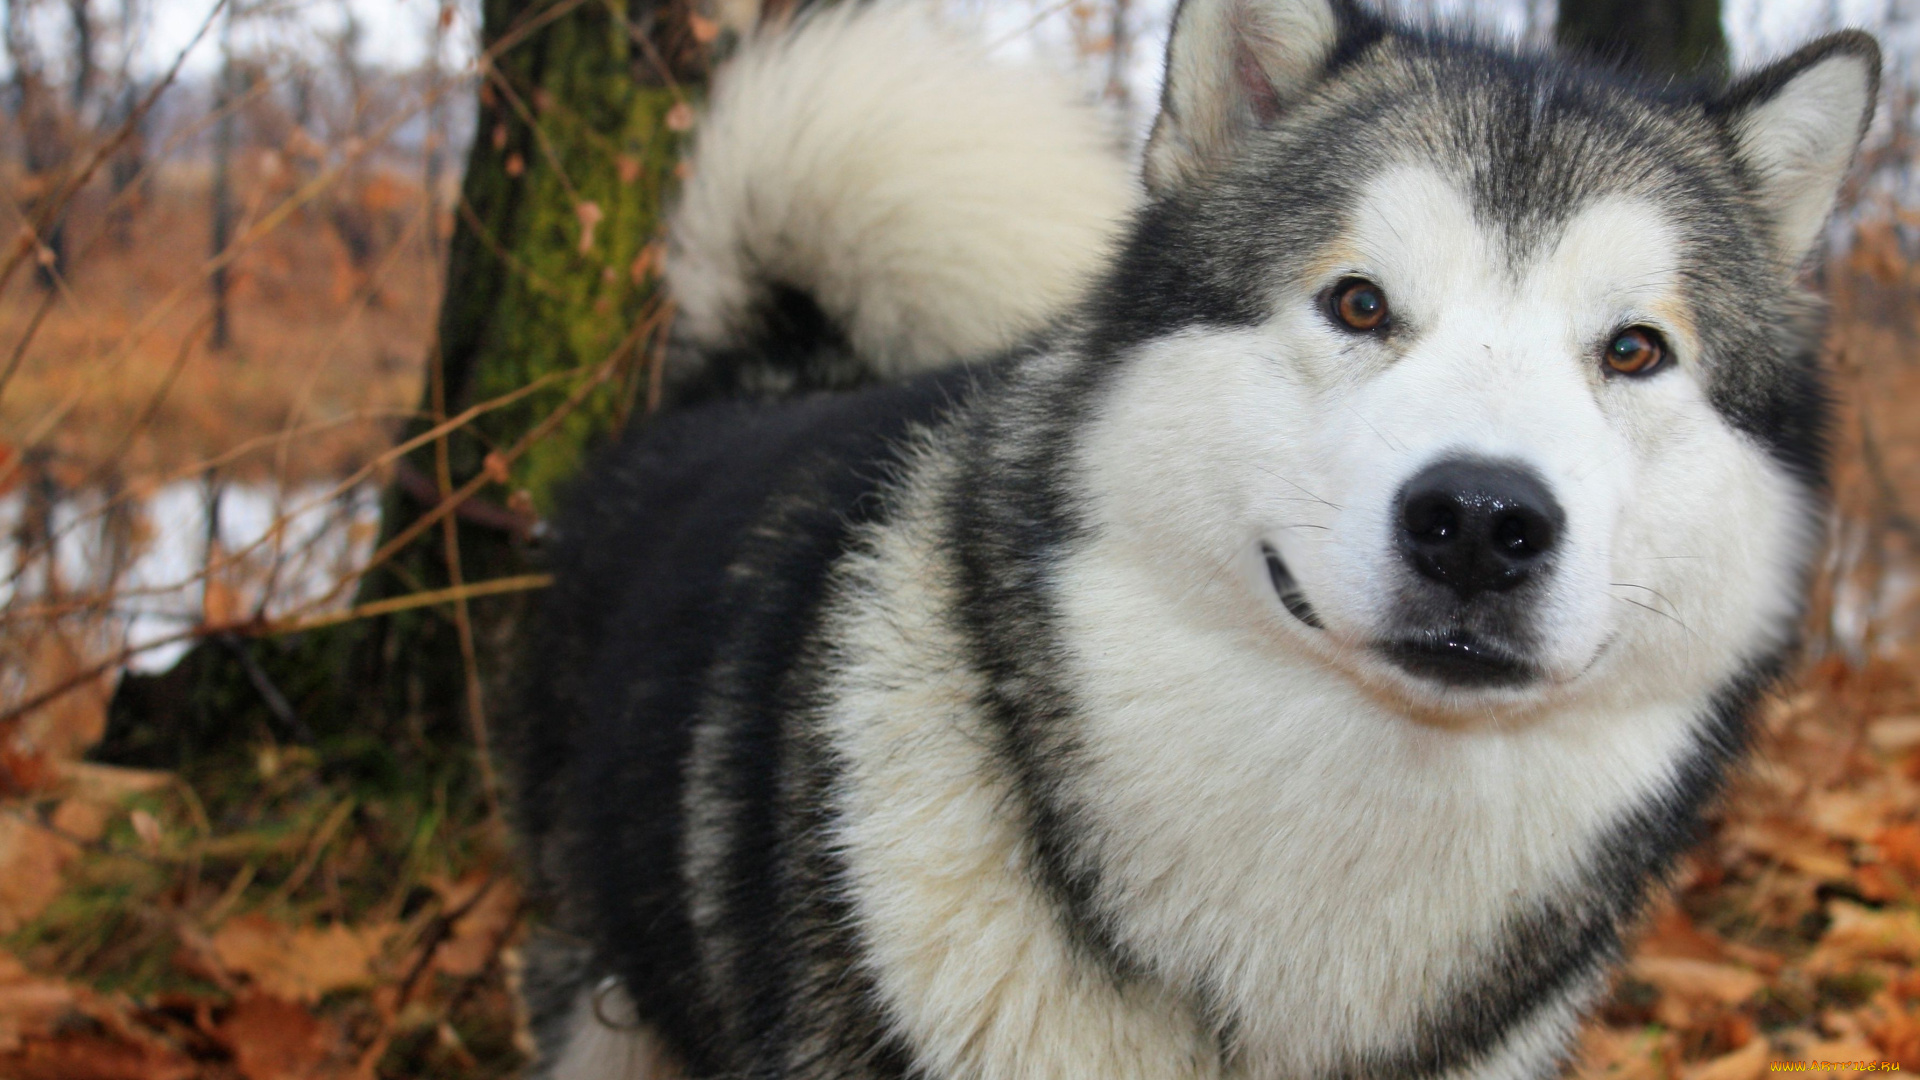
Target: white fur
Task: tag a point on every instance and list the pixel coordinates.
(937, 206)
(965, 949)
(1801, 140)
(1288, 827)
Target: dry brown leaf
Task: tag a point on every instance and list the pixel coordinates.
(300, 963)
(1894, 734)
(1879, 883)
(81, 819)
(220, 602)
(1900, 845)
(29, 1006)
(1899, 1038)
(1859, 933)
(478, 933)
(1697, 980)
(66, 726)
(108, 784)
(273, 1039)
(1670, 933)
(32, 860)
(94, 1057)
(1607, 1053)
(1746, 1063)
(1847, 814)
(1792, 844)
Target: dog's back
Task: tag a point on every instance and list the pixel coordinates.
(877, 216)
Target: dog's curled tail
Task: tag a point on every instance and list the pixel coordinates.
(871, 197)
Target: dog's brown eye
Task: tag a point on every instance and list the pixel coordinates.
(1636, 350)
(1359, 304)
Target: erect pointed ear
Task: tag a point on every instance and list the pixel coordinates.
(1798, 123)
(1232, 67)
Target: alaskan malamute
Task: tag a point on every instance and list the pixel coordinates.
(1277, 622)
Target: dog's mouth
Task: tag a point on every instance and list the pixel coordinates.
(1454, 657)
(1291, 595)
(1459, 660)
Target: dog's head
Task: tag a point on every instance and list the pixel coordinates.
(1488, 375)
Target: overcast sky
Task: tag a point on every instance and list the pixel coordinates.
(394, 33)
(398, 32)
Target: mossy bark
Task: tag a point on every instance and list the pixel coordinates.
(573, 158)
(564, 189)
(1659, 37)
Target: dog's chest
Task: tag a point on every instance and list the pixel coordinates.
(1324, 874)
(1291, 863)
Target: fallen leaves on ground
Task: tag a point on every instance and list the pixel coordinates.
(301, 963)
(315, 933)
(335, 935)
(1794, 932)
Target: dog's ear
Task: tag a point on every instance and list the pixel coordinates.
(1232, 67)
(1797, 123)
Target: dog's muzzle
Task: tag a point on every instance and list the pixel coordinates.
(1475, 532)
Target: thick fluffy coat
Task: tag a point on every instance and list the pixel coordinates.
(1301, 664)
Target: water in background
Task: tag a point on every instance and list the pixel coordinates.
(291, 545)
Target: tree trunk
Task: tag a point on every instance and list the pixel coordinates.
(1659, 37)
(220, 216)
(82, 88)
(546, 279)
(43, 128)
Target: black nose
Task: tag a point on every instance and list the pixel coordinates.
(1477, 526)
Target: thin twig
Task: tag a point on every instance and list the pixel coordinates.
(277, 702)
(26, 338)
(492, 587)
(462, 618)
(315, 848)
(354, 480)
(507, 457)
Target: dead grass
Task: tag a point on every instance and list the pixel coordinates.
(325, 351)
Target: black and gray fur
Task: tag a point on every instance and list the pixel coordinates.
(686, 764)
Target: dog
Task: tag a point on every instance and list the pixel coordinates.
(1279, 621)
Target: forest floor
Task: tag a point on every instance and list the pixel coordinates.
(269, 913)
